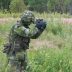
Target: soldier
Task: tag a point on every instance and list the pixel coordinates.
(19, 40)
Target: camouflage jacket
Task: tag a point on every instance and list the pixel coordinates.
(20, 36)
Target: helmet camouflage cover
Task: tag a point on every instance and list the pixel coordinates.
(27, 17)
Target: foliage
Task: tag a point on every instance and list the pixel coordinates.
(17, 6)
(38, 5)
(4, 4)
(46, 15)
(9, 15)
(50, 60)
(60, 6)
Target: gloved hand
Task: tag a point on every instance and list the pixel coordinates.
(40, 24)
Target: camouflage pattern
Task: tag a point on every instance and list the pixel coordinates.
(17, 63)
(19, 40)
(27, 17)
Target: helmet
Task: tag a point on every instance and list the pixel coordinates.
(27, 17)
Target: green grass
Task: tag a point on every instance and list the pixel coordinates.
(51, 60)
(45, 59)
(42, 15)
(7, 15)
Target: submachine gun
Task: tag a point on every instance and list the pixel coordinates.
(7, 48)
(40, 24)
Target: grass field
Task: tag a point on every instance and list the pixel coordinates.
(51, 52)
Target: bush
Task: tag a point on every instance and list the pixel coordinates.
(17, 6)
(38, 5)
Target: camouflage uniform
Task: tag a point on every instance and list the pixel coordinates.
(19, 40)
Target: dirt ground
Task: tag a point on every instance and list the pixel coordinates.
(5, 20)
(67, 20)
(41, 44)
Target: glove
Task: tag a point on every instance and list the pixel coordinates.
(40, 24)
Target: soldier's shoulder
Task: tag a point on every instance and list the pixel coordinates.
(17, 24)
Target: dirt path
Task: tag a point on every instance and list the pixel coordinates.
(6, 20)
(64, 20)
(67, 20)
(42, 43)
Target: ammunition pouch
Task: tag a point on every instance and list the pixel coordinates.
(25, 43)
(21, 43)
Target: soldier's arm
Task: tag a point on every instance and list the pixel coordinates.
(39, 28)
(22, 31)
(35, 33)
(26, 32)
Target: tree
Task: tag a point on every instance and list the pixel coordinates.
(51, 5)
(37, 5)
(17, 6)
(59, 6)
(4, 4)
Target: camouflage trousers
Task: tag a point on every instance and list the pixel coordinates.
(17, 63)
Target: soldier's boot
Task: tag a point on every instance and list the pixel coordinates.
(23, 66)
(11, 68)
